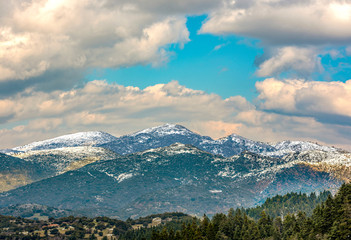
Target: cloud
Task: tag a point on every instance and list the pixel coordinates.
(42, 37)
(283, 22)
(294, 34)
(110, 107)
(117, 109)
(217, 47)
(305, 61)
(328, 102)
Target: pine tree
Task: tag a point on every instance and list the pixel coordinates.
(204, 225)
(210, 232)
(341, 228)
(265, 226)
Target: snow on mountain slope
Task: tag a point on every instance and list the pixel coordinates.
(156, 137)
(337, 163)
(71, 140)
(163, 130)
(174, 149)
(68, 158)
(320, 156)
(235, 144)
(168, 134)
(286, 147)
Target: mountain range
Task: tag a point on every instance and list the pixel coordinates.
(167, 168)
(166, 135)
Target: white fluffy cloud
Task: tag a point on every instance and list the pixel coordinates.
(284, 22)
(40, 36)
(326, 101)
(119, 109)
(305, 61)
(42, 39)
(294, 33)
(110, 107)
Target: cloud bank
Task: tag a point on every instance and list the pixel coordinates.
(119, 109)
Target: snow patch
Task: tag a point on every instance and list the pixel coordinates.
(215, 191)
(124, 176)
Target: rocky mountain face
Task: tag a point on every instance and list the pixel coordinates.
(162, 169)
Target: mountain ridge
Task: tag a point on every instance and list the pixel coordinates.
(69, 140)
(167, 134)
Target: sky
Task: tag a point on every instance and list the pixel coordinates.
(268, 70)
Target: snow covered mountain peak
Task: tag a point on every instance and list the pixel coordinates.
(167, 134)
(70, 140)
(166, 129)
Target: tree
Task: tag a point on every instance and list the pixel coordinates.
(54, 231)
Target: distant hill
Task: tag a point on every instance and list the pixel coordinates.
(36, 211)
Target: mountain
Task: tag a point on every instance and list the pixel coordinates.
(61, 160)
(26, 167)
(155, 137)
(165, 135)
(15, 172)
(337, 163)
(71, 140)
(165, 168)
(287, 147)
(174, 178)
(233, 144)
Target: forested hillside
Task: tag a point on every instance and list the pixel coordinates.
(330, 219)
(288, 203)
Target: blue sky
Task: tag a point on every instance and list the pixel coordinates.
(266, 70)
(216, 64)
(220, 64)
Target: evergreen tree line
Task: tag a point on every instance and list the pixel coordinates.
(281, 205)
(329, 220)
